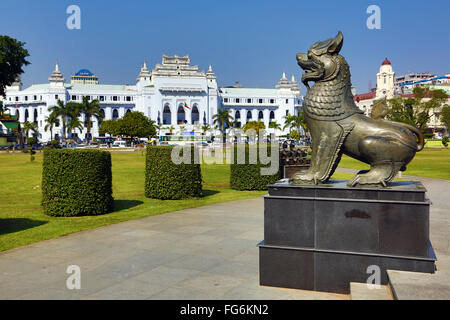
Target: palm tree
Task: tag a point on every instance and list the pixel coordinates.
(27, 127)
(205, 128)
(158, 128)
(90, 109)
(288, 122)
(73, 124)
(52, 121)
(65, 111)
(295, 122)
(171, 128)
(222, 118)
(274, 125)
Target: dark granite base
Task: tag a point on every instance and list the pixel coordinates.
(324, 237)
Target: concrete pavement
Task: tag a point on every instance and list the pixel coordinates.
(201, 253)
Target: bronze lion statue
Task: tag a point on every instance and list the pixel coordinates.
(338, 126)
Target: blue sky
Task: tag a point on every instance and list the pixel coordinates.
(248, 41)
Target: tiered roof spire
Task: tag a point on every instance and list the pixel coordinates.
(210, 74)
(144, 74)
(284, 83)
(56, 75)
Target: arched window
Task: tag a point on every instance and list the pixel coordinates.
(249, 116)
(115, 114)
(26, 115)
(260, 116)
(158, 120)
(237, 115)
(181, 116)
(204, 117)
(18, 114)
(102, 113)
(195, 116)
(167, 115)
(35, 116)
(272, 115)
(128, 110)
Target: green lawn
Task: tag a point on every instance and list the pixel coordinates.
(433, 163)
(22, 220)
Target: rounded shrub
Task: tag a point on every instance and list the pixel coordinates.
(169, 181)
(247, 175)
(76, 182)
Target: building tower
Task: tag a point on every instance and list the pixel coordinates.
(56, 79)
(385, 81)
(144, 77)
(213, 96)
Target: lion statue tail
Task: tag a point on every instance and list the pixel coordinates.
(417, 132)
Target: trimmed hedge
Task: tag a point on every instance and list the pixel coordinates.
(167, 180)
(248, 176)
(76, 182)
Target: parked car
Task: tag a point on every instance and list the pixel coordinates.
(119, 144)
(93, 145)
(103, 145)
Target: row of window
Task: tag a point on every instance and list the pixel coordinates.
(75, 97)
(35, 98)
(250, 100)
(249, 115)
(104, 98)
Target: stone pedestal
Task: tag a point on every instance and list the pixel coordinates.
(324, 237)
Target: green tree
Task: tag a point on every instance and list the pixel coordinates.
(65, 111)
(136, 125)
(288, 122)
(274, 125)
(294, 134)
(445, 117)
(12, 59)
(445, 141)
(133, 124)
(31, 141)
(222, 119)
(158, 128)
(28, 127)
(205, 129)
(73, 124)
(52, 121)
(109, 127)
(296, 122)
(417, 110)
(258, 127)
(90, 109)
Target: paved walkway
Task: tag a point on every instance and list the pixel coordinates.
(202, 253)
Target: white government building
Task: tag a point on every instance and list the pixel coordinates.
(161, 94)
